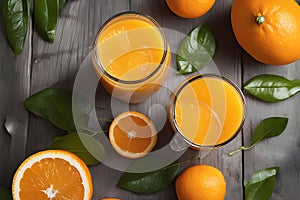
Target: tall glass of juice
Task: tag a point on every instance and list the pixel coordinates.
(131, 56)
(206, 111)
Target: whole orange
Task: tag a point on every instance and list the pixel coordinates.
(190, 8)
(268, 30)
(201, 182)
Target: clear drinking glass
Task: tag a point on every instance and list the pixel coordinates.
(214, 100)
(143, 44)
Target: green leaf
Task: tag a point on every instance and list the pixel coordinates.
(196, 50)
(5, 194)
(16, 15)
(267, 128)
(62, 4)
(298, 1)
(36, 103)
(45, 18)
(272, 88)
(58, 118)
(145, 183)
(56, 105)
(261, 184)
(83, 145)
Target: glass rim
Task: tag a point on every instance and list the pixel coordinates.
(182, 86)
(156, 24)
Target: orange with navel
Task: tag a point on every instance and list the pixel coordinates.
(132, 134)
(268, 30)
(190, 8)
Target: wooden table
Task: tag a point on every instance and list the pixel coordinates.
(42, 65)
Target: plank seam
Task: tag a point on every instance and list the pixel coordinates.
(243, 153)
(29, 66)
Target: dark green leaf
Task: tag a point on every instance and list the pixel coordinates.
(16, 15)
(298, 1)
(145, 183)
(36, 103)
(56, 105)
(5, 194)
(45, 18)
(62, 4)
(272, 88)
(261, 184)
(269, 127)
(85, 146)
(58, 118)
(196, 50)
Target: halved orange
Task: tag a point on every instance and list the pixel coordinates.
(52, 175)
(132, 134)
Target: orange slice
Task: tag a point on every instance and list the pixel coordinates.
(52, 175)
(132, 134)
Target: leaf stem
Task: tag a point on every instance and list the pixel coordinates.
(97, 118)
(234, 152)
(92, 131)
(95, 133)
(242, 148)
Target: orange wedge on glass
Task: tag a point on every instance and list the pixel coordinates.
(50, 175)
(132, 134)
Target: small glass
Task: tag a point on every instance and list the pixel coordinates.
(213, 97)
(141, 85)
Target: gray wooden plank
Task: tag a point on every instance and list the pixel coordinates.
(57, 64)
(14, 87)
(280, 151)
(227, 58)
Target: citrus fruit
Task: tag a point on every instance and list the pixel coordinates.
(201, 182)
(268, 30)
(132, 134)
(190, 8)
(52, 174)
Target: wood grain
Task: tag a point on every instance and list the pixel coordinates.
(228, 60)
(280, 151)
(42, 65)
(229, 65)
(14, 88)
(57, 64)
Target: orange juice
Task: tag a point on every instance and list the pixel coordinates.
(207, 110)
(131, 57)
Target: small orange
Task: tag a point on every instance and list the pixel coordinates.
(190, 8)
(52, 174)
(201, 182)
(132, 134)
(268, 30)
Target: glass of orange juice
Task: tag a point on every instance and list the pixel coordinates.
(131, 56)
(205, 111)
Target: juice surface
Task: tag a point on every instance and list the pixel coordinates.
(130, 49)
(209, 111)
